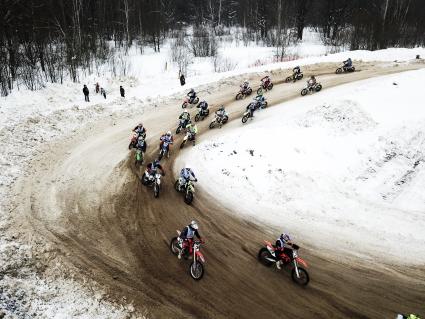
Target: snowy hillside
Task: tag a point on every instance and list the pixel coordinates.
(343, 169)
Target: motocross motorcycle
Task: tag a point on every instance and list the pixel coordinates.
(201, 115)
(265, 85)
(188, 189)
(133, 140)
(243, 93)
(345, 69)
(165, 150)
(188, 137)
(181, 126)
(187, 102)
(294, 77)
(299, 275)
(138, 158)
(217, 122)
(315, 88)
(152, 180)
(196, 268)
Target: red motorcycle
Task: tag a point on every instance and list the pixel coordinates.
(267, 256)
(266, 85)
(178, 247)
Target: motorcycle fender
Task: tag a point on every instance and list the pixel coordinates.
(301, 261)
(200, 256)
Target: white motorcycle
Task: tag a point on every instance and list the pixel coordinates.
(153, 180)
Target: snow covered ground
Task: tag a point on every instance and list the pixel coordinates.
(30, 119)
(343, 169)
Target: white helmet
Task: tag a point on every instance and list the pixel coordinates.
(169, 133)
(194, 224)
(185, 111)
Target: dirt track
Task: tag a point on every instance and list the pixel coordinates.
(83, 196)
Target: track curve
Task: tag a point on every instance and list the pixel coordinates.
(83, 196)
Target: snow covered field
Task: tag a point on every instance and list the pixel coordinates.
(343, 169)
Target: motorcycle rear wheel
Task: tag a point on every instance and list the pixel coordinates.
(318, 87)
(188, 198)
(212, 124)
(304, 277)
(174, 245)
(156, 190)
(196, 270)
(262, 255)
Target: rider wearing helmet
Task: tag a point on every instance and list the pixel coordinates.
(296, 71)
(282, 249)
(191, 94)
(140, 130)
(245, 85)
(184, 118)
(192, 129)
(186, 175)
(168, 137)
(221, 113)
(348, 63)
(141, 144)
(203, 106)
(152, 168)
(311, 82)
(187, 235)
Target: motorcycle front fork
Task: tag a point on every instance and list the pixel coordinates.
(296, 269)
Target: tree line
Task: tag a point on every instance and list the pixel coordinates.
(53, 40)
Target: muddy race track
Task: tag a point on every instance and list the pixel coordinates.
(83, 195)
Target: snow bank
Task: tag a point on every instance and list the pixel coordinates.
(343, 169)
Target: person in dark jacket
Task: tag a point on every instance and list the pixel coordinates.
(86, 93)
(103, 92)
(122, 91)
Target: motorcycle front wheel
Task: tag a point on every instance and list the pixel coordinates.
(304, 92)
(270, 86)
(259, 90)
(196, 270)
(197, 117)
(263, 254)
(239, 96)
(156, 190)
(338, 71)
(288, 79)
(303, 279)
(245, 118)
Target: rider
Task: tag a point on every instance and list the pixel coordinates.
(140, 130)
(311, 82)
(191, 95)
(168, 137)
(193, 130)
(282, 249)
(187, 235)
(186, 175)
(245, 85)
(260, 99)
(266, 81)
(152, 168)
(221, 113)
(184, 118)
(203, 107)
(141, 144)
(252, 107)
(348, 63)
(296, 71)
